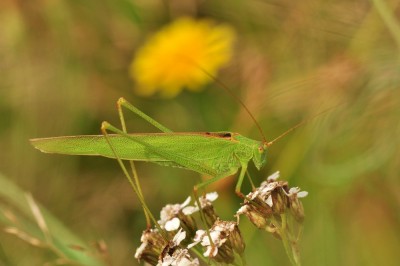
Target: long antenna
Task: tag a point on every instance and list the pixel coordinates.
(299, 125)
(234, 96)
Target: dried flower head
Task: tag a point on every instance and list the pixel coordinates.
(277, 209)
(271, 199)
(174, 57)
(172, 217)
(206, 206)
(174, 255)
(156, 250)
(296, 207)
(153, 244)
(225, 240)
(180, 257)
(265, 201)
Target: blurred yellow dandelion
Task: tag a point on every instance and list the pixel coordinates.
(174, 57)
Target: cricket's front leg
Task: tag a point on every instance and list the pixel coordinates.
(240, 181)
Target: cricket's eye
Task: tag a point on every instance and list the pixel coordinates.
(260, 149)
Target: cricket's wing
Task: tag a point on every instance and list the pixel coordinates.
(200, 152)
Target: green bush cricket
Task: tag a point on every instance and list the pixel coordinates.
(217, 154)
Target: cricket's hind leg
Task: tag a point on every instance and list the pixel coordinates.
(135, 184)
(124, 103)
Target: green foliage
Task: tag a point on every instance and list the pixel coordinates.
(34, 225)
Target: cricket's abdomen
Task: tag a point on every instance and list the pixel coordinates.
(209, 153)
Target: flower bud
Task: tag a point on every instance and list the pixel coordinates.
(280, 201)
(296, 207)
(297, 210)
(236, 240)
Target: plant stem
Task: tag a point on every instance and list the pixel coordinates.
(296, 253)
(290, 246)
(243, 260)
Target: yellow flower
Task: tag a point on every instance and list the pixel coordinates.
(176, 57)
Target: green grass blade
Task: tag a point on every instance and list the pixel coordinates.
(61, 237)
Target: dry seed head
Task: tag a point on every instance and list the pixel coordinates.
(173, 254)
(172, 217)
(279, 199)
(169, 214)
(257, 218)
(235, 237)
(226, 241)
(152, 246)
(156, 250)
(180, 257)
(272, 198)
(296, 207)
(266, 200)
(206, 202)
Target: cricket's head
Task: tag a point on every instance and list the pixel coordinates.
(260, 155)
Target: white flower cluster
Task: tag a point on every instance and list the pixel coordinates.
(156, 250)
(219, 235)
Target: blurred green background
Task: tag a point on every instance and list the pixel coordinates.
(64, 64)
